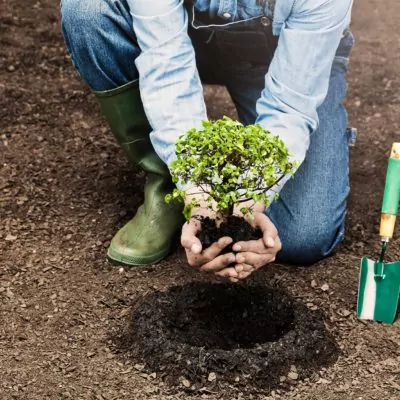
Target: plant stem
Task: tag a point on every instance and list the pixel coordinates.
(222, 216)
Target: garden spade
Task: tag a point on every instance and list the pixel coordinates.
(379, 287)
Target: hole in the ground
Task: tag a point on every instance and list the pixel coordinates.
(228, 317)
(248, 336)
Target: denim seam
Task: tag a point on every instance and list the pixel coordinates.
(120, 89)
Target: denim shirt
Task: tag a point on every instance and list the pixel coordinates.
(295, 86)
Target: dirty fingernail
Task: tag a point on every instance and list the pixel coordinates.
(196, 249)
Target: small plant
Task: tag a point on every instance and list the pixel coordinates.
(231, 163)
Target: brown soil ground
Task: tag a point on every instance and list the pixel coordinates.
(64, 189)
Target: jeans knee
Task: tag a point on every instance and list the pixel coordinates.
(80, 19)
(305, 244)
(101, 42)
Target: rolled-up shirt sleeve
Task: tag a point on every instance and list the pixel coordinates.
(298, 78)
(169, 82)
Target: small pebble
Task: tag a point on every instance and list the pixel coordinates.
(325, 287)
(212, 377)
(313, 283)
(10, 238)
(293, 376)
(186, 383)
(345, 313)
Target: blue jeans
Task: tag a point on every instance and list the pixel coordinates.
(310, 212)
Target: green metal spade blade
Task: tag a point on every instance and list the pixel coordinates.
(378, 292)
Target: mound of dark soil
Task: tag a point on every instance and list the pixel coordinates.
(248, 336)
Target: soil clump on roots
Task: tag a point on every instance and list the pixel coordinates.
(234, 227)
(226, 336)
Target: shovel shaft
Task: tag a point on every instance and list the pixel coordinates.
(391, 195)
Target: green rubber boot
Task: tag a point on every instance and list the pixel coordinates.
(145, 239)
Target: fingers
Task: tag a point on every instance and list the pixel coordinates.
(189, 240)
(219, 263)
(244, 270)
(209, 259)
(229, 273)
(262, 222)
(255, 246)
(259, 246)
(192, 244)
(216, 248)
(246, 274)
(251, 255)
(254, 254)
(250, 245)
(239, 272)
(254, 260)
(269, 231)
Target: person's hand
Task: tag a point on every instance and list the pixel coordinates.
(254, 254)
(210, 259)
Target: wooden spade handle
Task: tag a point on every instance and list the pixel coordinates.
(395, 151)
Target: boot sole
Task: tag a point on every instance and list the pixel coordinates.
(119, 258)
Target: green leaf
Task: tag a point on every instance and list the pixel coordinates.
(235, 162)
(187, 211)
